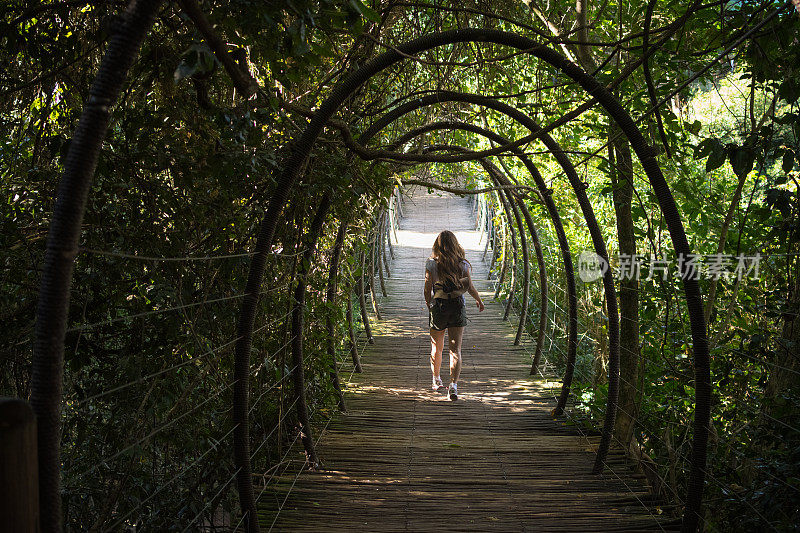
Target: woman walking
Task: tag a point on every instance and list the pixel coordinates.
(447, 278)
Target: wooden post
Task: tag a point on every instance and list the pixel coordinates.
(495, 247)
(388, 230)
(399, 205)
(352, 335)
(362, 299)
(384, 233)
(330, 299)
(374, 265)
(488, 229)
(19, 471)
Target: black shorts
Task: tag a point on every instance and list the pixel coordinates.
(447, 313)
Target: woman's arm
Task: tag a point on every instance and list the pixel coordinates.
(428, 290)
(474, 292)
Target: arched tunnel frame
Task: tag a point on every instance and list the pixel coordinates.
(597, 239)
(644, 152)
(81, 162)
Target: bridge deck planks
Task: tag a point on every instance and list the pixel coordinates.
(405, 458)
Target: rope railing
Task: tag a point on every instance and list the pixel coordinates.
(380, 234)
(144, 314)
(153, 433)
(212, 351)
(225, 486)
(578, 423)
(296, 477)
(62, 247)
(181, 259)
(274, 474)
(165, 485)
(197, 359)
(653, 431)
(173, 420)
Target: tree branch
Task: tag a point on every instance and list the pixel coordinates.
(462, 192)
(552, 27)
(648, 78)
(242, 79)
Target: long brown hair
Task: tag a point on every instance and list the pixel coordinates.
(448, 255)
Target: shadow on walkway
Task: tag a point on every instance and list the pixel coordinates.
(405, 458)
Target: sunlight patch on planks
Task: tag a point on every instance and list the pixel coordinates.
(405, 458)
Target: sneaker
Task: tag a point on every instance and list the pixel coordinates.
(437, 383)
(453, 392)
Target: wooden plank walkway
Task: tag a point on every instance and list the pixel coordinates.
(405, 458)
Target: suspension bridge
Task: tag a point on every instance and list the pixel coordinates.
(401, 456)
(405, 458)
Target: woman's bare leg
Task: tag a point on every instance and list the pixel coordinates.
(455, 335)
(437, 347)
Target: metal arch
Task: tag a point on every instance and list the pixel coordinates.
(65, 231)
(545, 193)
(556, 219)
(597, 239)
(302, 148)
(62, 247)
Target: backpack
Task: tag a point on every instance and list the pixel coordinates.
(451, 291)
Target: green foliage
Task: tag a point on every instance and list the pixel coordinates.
(188, 168)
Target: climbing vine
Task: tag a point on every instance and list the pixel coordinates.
(210, 113)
